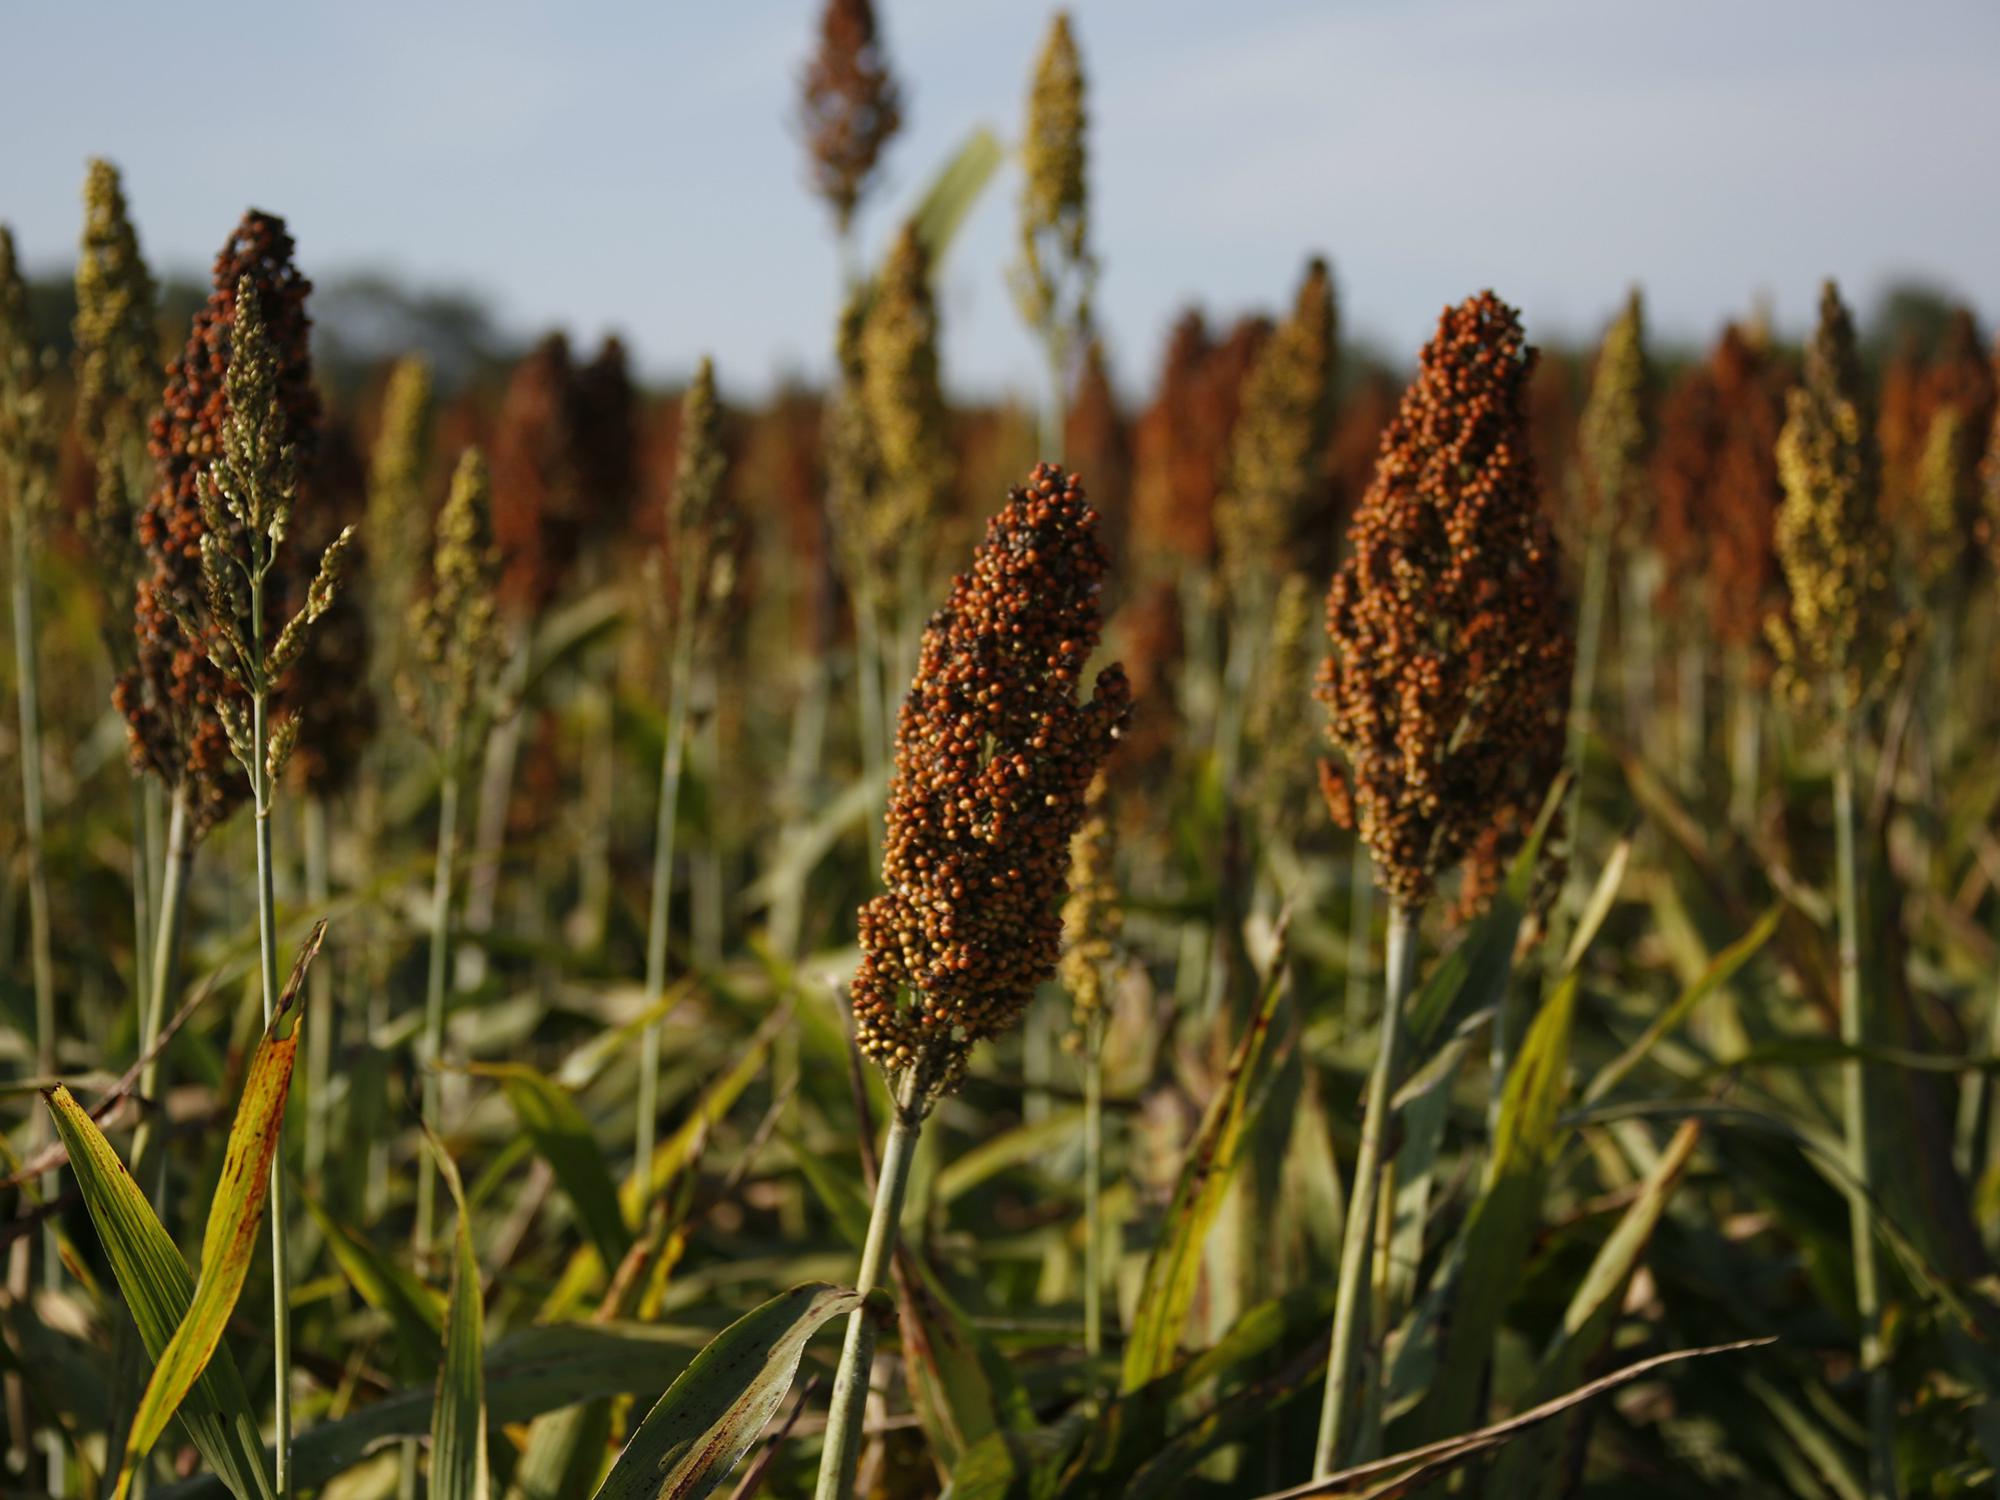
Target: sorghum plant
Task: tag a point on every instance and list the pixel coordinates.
(453, 629)
(995, 751)
(246, 492)
(1445, 688)
(172, 694)
(701, 567)
(1277, 452)
(1840, 641)
(1612, 439)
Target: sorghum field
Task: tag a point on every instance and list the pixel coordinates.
(1340, 926)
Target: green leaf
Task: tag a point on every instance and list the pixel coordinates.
(415, 1310)
(1174, 1268)
(538, 1370)
(1590, 1318)
(1008, 1149)
(458, 1414)
(564, 1139)
(1475, 973)
(159, 1289)
(586, 1268)
(711, 1415)
(950, 198)
(1499, 1232)
(229, 1244)
(1713, 978)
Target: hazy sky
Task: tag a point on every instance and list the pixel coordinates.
(634, 166)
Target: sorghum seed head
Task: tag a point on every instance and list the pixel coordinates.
(174, 697)
(1277, 453)
(1054, 279)
(399, 518)
(850, 107)
(994, 754)
(1615, 430)
(28, 432)
(901, 394)
(1093, 916)
(702, 525)
(538, 504)
(1841, 632)
(1448, 681)
(118, 371)
(454, 623)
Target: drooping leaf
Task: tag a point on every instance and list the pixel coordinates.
(1590, 1318)
(711, 1415)
(414, 1309)
(563, 1138)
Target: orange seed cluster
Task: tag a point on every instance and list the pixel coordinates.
(994, 755)
(1448, 682)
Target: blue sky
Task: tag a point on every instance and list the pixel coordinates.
(633, 167)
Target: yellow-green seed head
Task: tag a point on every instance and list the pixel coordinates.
(901, 395)
(1841, 634)
(1614, 432)
(1278, 448)
(454, 624)
(119, 373)
(27, 421)
(701, 524)
(1944, 488)
(1056, 274)
(1093, 916)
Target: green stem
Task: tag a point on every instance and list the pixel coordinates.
(1583, 690)
(1093, 1186)
(842, 1451)
(267, 960)
(1855, 1110)
(705, 885)
(143, 854)
(443, 869)
(1358, 1237)
(1360, 933)
(663, 876)
(28, 696)
(319, 1014)
(164, 973)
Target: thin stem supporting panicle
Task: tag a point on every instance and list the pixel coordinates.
(1357, 1236)
(1856, 1113)
(842, 1450)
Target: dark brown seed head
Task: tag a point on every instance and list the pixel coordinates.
(1448, 682)
(851, 105)
(170, 697)
(994, 753)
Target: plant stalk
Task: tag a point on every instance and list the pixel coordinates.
(1855, 1109)
(671, 757)
(1357, 1238)
(319, 1014)
(842, 1451)
(1093, 1186)
(443, 871)
(267, 960)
